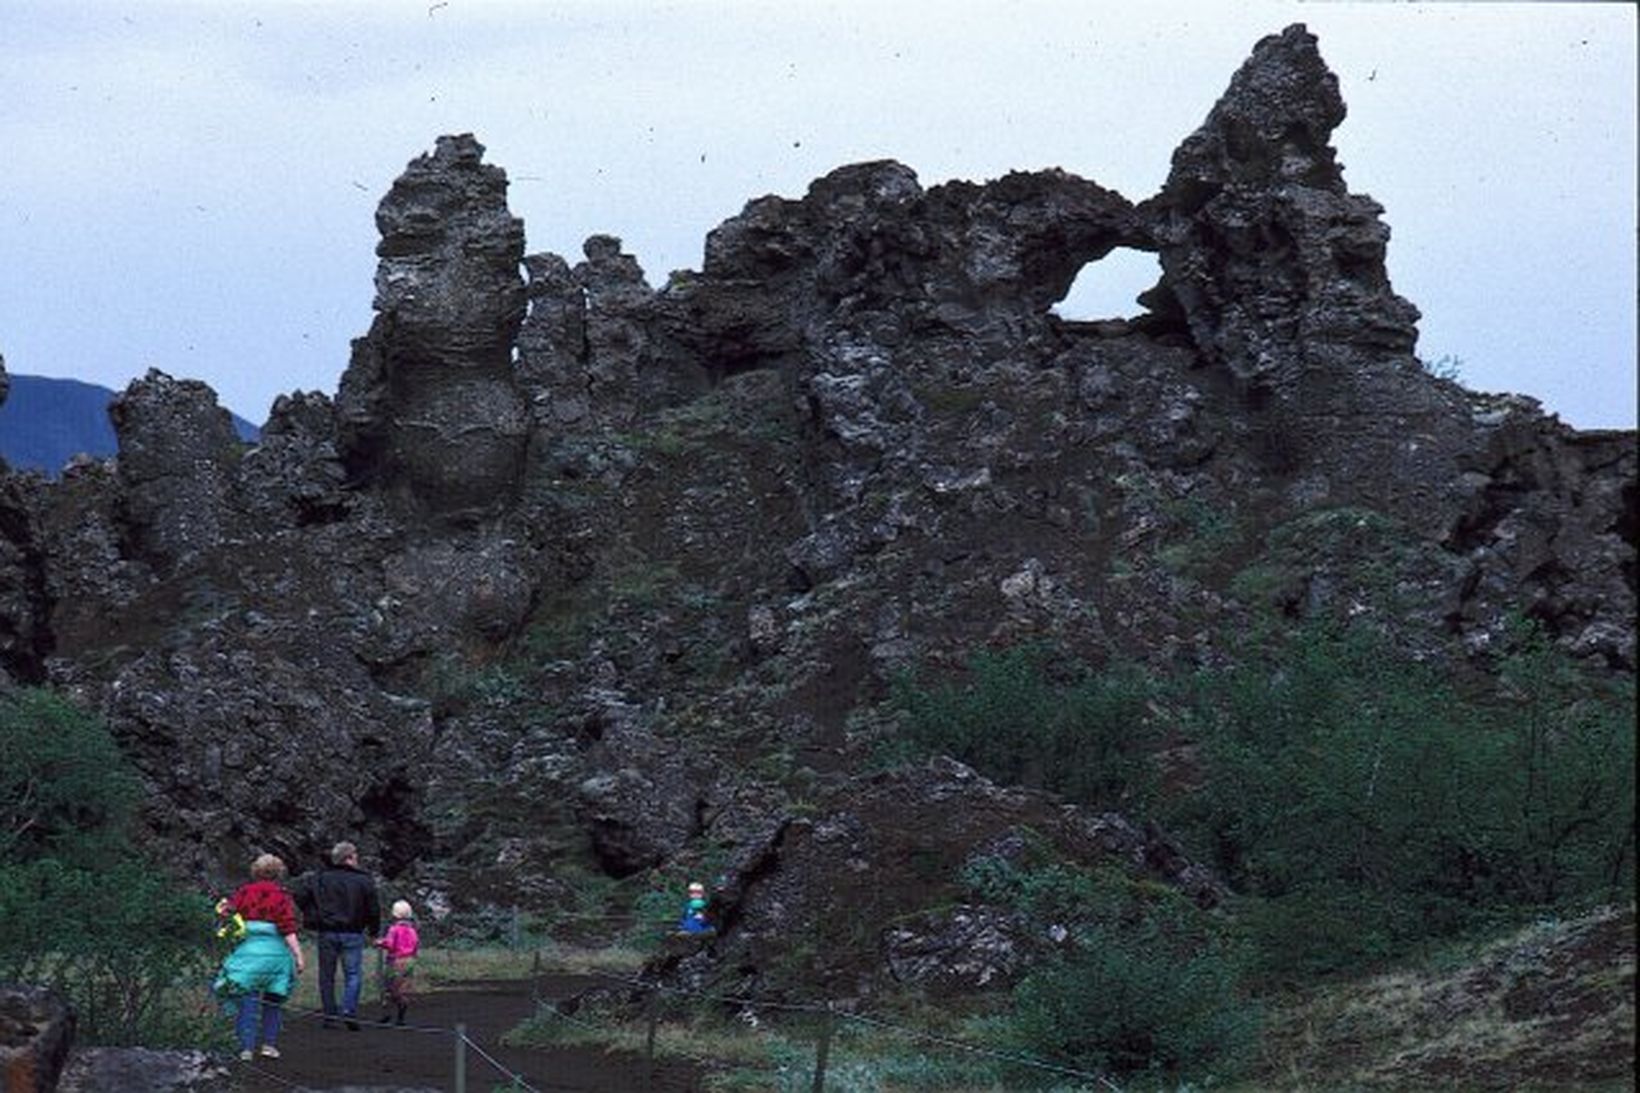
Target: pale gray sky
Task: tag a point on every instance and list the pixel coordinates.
(191, 186)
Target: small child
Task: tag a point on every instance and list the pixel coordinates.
(694, 920)
(401, 944)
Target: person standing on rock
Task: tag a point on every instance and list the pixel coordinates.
(339, 903)
(260, 972)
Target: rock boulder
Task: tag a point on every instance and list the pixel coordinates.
(36, 1033)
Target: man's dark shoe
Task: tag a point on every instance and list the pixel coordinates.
(352, 1025)
(327, 1023)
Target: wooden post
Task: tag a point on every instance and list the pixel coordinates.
(823, 1049)
(461, 1057)
(654, 1020)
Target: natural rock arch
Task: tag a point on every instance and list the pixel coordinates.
(1109, 287)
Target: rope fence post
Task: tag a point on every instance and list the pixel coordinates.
(653, 1019)
(827, 1024)
(461, 1057)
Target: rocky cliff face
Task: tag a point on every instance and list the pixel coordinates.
(429, 405)
(646, 583)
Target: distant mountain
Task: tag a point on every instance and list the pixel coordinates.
(45, 422)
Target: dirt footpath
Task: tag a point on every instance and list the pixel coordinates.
(319, 1059)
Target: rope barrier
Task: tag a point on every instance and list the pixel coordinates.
(946, 1041)
(516, 1078)
(741, 1002)
(554, 1011)
(642, 984)
(309, 1014)
(818, 1008)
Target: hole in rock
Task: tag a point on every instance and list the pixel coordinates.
(1109, 288)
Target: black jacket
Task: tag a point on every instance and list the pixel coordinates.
(339, 898)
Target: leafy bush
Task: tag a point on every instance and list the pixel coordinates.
(1569, 778)
(80, 910)
(124, 943)
(1160, 994)
(64, 787)
(1150, 982)
(1081, 735)
(1367, 804)
(1360, 802)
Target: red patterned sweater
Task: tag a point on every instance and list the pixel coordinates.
(265, 901)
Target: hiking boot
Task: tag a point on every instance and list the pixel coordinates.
(269, 1051)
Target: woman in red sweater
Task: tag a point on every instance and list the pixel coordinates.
(261, 971)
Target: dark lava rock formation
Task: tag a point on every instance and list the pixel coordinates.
(36, 1032)
(430, 404)
(575, 573)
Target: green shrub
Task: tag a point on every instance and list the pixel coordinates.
(125, 943)
(1047, 891)
(1150, 982)
(1368, 804)
(64, 786)
(1081, 735)
(1568, 776)
(1364, 804)
(1140, 998)
(80, 909)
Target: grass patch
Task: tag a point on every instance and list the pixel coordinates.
(1205, 535)
(438, 968)
(1440, 1022)
(773, 1055)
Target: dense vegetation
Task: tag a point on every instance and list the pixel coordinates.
(1360, 806)
(81, 909)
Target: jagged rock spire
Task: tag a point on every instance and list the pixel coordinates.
(1276, 265)
(178, 450)
(429, 402)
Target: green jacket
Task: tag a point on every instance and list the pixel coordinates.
(261, 962)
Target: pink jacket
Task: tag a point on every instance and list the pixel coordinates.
(401, 942)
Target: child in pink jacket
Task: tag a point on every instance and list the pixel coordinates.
(402, 944)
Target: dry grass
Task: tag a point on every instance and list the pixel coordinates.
(579, 960)
(441, 967)
(712, 1042)
(1551, 1007)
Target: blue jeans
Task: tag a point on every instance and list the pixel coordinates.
(257, 1009)
(349, 949)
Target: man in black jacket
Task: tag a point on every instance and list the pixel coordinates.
(339, 904)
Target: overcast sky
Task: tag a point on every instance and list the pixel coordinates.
(192, 186)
